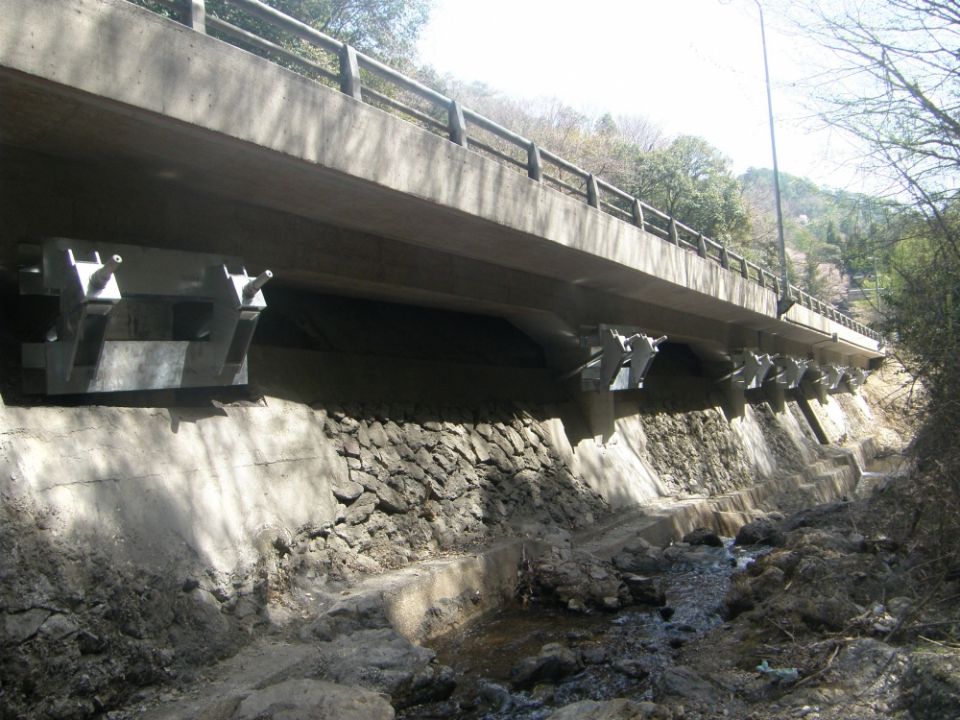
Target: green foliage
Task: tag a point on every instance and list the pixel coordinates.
(691, 181)
(385, 29)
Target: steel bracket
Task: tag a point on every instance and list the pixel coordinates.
(831, 375)
(855, 378)
(620, 357)
(751, 369)
(201, 309)
(790, 371)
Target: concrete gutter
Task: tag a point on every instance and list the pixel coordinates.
(833, 477)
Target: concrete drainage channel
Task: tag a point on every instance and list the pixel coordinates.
(375, 632)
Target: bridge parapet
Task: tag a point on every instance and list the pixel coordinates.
(421, 105)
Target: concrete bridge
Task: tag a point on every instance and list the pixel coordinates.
(433, 285)
(121, 125)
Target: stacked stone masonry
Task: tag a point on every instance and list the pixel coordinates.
(423, 479)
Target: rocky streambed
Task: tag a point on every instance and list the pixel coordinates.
(564, 641)
(827, 612)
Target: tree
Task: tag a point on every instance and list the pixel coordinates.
(895, 88)
(385, 29)
(691, 181)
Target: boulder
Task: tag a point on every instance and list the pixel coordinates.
(310, 699)
(22, 626)
(760, 532)
(644, 590)
(688, 684)
(653, 560)
(383, 661)
(554, 663)
(703, 536)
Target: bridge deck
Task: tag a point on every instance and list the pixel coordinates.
(108, 83)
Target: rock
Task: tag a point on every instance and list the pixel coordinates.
(331, 428)
(377, 435)
(346, 491)
(348, 424)
(361, 508)
(686, 683)
(480, 447)
(652, 561)
(594, 654)
(310, 699)
(632, 668)
(394, 433)
(639, 546)
(390, 499)
(58, 627)
(423, 458)
(413, 436)
(619, 709)
(703, 536)
(611, 604)
(22, 626)
(497, 696)
(515, 440)
(554, 663)
(205, 609)
(349, 446)
(383, 661)
(363, 436)
(644, 590)
(485, 431)
(90, 644)
(760, 532)
(500, 459)
(932, 687)
(499, 440)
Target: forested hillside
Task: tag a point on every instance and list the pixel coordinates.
(831, 235)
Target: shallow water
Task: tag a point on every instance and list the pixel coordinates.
(642, 639)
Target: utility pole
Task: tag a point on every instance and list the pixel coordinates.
(784, 302)
(876, 284)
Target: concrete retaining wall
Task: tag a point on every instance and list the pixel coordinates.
(155, 485)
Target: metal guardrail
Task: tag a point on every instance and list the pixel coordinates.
(461, 125)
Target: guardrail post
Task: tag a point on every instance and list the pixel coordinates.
(760, 279)
(776, 286)
(744, 269)
(197, 15)
(593, 192)
(724, 258)
(672, 232)
(457, 125)
(637, 213)
(534, 163)
(349, 73)
(701, 245)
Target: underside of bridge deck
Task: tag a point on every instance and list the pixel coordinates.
(121, 126)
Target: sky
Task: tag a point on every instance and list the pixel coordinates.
(693, 66)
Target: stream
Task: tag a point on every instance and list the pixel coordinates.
(624, 651)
